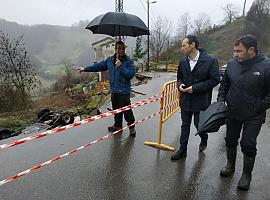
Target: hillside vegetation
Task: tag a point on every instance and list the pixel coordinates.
(218, 40)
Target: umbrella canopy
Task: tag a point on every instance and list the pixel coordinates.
(118, 24)
(212, 118)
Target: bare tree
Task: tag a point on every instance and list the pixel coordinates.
(183, 25)
(201, 24)
(159, 37)
(231, 13)
(17, 75)
(258, 21)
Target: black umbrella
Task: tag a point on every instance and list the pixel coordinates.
(118, 24)
(212, 118)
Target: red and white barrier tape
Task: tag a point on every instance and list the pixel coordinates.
(71, 152)
(91, 119)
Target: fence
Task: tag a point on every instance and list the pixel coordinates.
(169, 104)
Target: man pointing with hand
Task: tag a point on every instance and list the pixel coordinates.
(121, 71)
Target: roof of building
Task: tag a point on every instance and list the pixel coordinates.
(104, 42)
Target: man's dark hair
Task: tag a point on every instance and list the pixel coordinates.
(193, 38)
(120, 43)
(247, 41)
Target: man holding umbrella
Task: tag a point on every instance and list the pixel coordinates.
(245, 87)
(197, 75)
(121, 71)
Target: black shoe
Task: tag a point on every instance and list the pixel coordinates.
(179, 154)
(114, 128)
(202, 147)
(132, 132)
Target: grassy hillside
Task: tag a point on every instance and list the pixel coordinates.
(220, 42)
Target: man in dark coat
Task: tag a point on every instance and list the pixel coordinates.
(245, 87)
(121, 71)
(198, 74)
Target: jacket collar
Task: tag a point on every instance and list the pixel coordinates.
(202, 56)
(257, 58)
(196, 58)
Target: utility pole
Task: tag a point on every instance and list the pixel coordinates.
(244, 8)
(118, 5)
(148, 40)
(119, 8)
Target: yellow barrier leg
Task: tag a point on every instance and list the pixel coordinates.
(162, 146)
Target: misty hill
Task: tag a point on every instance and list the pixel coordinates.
(51, 45)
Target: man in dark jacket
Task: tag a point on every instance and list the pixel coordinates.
(198, 74)
(245, 87)
(121, 71)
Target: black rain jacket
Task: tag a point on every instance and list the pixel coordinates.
(245, 87)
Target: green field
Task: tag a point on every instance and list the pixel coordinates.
(58, 70)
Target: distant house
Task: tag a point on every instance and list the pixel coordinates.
(103, 49)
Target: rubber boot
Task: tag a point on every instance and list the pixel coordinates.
(228, 170)
(245, 179)
(132, 132)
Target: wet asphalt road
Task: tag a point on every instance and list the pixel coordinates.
(121, 167)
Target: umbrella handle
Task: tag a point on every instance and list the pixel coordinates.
(117, 56)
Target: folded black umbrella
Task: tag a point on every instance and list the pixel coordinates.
(212, 118)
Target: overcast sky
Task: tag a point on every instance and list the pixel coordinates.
(68, 12)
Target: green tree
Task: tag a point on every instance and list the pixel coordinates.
(138, 52)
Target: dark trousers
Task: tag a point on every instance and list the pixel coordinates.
(185, 128)
(250, 133)
(118, 101)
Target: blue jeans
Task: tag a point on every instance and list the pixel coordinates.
(186, 117)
